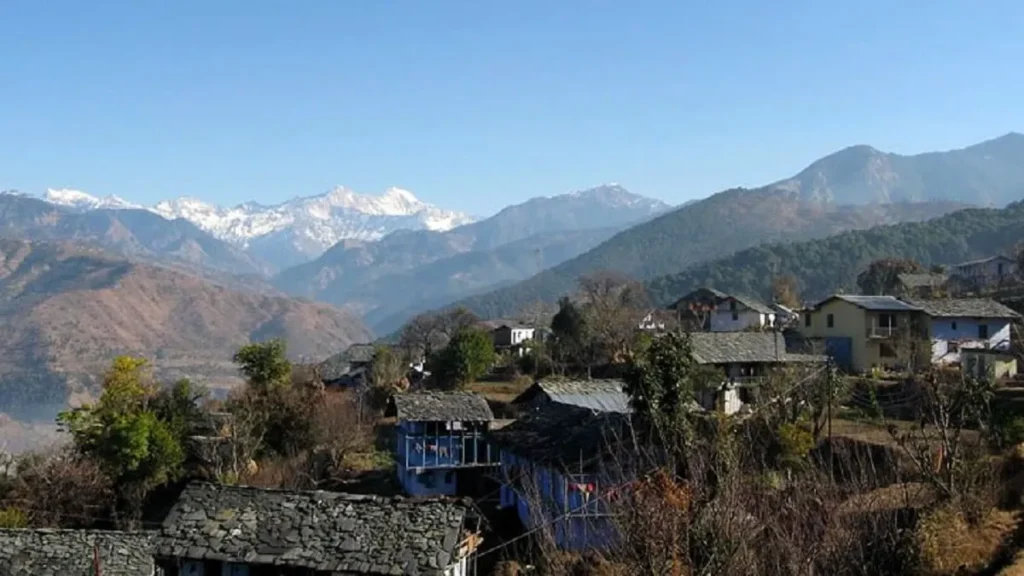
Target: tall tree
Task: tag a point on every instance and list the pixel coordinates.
(614, 304)
(124, 435)
(882, 276)
(264, 364)
(421, 335)
(569, 329)
(450, 322)
(785, 291)
(469, 355)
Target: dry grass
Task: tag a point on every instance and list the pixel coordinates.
(503, 392)
(950, 545)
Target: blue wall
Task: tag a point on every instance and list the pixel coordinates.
(430, 469)
(943, 331)
(580, 529)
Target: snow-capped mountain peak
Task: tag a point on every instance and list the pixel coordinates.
(305, 226)
(79, 200)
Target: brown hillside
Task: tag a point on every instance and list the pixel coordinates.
(67, 310)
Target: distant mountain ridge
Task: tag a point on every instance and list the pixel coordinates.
(294, 231)
(990, 173)
(432, 266)
(856, 188)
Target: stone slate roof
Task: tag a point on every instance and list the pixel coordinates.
(341, 363)
(71, 552)
(743, 347)
(753, 303)
(560, 435)
(323, 531)
(436, 406)
(964, 308)
(984, 261)
(914, 281)
(700, 295)
(598, 395)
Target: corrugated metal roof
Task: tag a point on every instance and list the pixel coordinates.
(878, 303)
(599, 395)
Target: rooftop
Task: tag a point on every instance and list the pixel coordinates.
(71, 552)
(562, 435)
(599, 395)
(323, 531)
(700, 295)
(923, 280)
(341, 363)
(983, 261)
(964, 308)
(753, 303)
(874, 303)
(437, 406)
(743, 347)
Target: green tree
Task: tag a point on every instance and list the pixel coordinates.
(180, 405)
(469, 355)
(124, 435)
(571, 333)
(264, 364)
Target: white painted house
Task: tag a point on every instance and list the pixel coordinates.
(957, 324)
(734, 313)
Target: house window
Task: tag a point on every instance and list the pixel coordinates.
(953, 326)
(230, 569)
(735, 315)
(886, 321)
(983, 331)
(192, 568)
(830, 321)
(807, 319)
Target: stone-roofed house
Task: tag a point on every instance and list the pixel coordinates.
(744, 359)
(966, 323)
(441, 446)
(556, 471)
(866, 332)
(924, 285)
(735, 313)
(215, 530)
(45, 552)
(597, 395)
(350, 367)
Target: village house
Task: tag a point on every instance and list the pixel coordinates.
(694, 309)
(44, 552)
(716, 311)
(957, 324)
(557, 476)
(865, 332)
(597, 395)
(441, 445)
(985, 272)
(744, 358)
(927, 285)
(350, 367)
(216, 530)
(512, 337)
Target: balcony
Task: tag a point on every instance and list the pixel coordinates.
(882, 331)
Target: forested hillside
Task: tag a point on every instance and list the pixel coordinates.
(825, 265)
(712, 228)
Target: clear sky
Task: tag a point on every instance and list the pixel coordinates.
(476, 104)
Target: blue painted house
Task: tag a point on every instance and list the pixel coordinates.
(966, 323)
(440, 442)
(557, 474)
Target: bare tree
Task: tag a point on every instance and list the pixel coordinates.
(614, 305)
(422, 335)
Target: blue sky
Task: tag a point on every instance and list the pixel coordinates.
(478, 104)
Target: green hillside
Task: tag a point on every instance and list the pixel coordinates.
(825, 265)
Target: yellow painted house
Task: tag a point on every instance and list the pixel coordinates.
(864, 332)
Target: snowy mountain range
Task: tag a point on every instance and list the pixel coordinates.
(294, 231)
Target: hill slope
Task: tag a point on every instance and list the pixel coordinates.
(67, 310)
(829, 264)
(990, 173)
(712, 228)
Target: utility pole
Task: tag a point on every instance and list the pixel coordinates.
(97, 569)
(830, 376)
